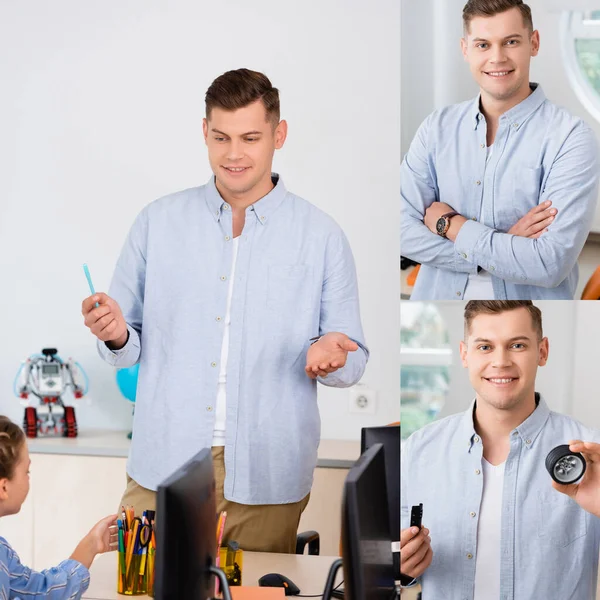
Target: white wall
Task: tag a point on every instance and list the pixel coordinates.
(436, 74)
(568, 382)
(101, 113)
(586, 391)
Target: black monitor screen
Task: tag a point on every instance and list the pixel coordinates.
(185, 531)
(366, 543)
(390, 438)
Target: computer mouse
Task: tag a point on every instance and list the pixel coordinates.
(277, 580)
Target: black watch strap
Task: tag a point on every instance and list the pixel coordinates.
(406, 580)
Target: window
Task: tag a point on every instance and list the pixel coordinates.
(581, 52)
(425, 358)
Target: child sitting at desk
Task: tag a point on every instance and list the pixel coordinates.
(71, 577)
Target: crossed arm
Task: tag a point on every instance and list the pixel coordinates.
(530, 251)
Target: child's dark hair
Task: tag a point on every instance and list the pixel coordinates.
(12, 439)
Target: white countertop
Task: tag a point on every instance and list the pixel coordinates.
(336, 454)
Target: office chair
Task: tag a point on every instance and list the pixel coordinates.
(412, 277)
(312, 539)
(591, 291)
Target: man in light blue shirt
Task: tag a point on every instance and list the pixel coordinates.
(499, 193)
(498, 528)
(235, 297)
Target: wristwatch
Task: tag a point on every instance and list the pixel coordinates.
(443, 223)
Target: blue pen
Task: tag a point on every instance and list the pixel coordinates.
(89, 280)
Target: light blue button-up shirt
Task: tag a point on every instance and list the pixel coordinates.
(294, 279)
(541, 152)
(549, 545)
(67, 581)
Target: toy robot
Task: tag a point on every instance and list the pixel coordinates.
(47, 377)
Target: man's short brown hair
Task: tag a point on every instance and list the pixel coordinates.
(495, 307)
(240, 88)
(489, 8)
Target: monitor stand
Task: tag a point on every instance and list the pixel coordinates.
(329, 584)
(222, 580)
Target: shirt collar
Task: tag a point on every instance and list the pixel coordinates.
(518, 114)
(262, 208)
(528, 430)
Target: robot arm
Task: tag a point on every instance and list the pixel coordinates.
(72, 375)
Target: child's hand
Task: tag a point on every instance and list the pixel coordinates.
(104, 535)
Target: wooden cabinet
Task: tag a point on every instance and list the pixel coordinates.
(324, 510)
(70, 493)
(17, 530)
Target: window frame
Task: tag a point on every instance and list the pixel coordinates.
(574, 25)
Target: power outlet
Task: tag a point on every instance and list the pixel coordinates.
(362, 399)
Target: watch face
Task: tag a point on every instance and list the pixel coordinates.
(440, 226)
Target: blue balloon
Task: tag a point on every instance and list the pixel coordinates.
(127, 381)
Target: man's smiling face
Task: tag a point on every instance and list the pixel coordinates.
(502, 353)
(499, 50)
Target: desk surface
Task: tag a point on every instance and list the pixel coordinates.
(307, 572)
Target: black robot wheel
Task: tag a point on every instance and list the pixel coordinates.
(564, 465)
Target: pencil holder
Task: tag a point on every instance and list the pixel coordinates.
(231, 562)
(135, 573)
(136, 555)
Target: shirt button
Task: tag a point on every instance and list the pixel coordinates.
(458, 293)
(476, 439)
(262, 218)
(492, 268)
(477, 472)
(213, 364)
(472, 514)
(209, 408)
(225, 206)
(223, 278)
(483, 145)
(528, 441)
(463, 255)
(469, 556)
(217, 318)
(227, 238)
(515, 125)
(478, 182)
(217, 213)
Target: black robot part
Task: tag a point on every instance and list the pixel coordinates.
(565, 466)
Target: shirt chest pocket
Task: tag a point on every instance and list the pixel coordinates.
(526, 188)
(289, 288)
(560, 520)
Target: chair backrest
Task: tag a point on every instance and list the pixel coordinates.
(591, 291)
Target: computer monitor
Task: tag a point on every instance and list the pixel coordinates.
(390, 438)
(186, 532)
(366, 544)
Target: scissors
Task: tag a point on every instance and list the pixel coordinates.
(145, 535)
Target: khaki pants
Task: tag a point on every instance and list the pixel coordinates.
(258, 528)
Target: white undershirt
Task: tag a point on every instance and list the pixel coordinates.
(479, 285)
(487, 564)
(221, 404)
